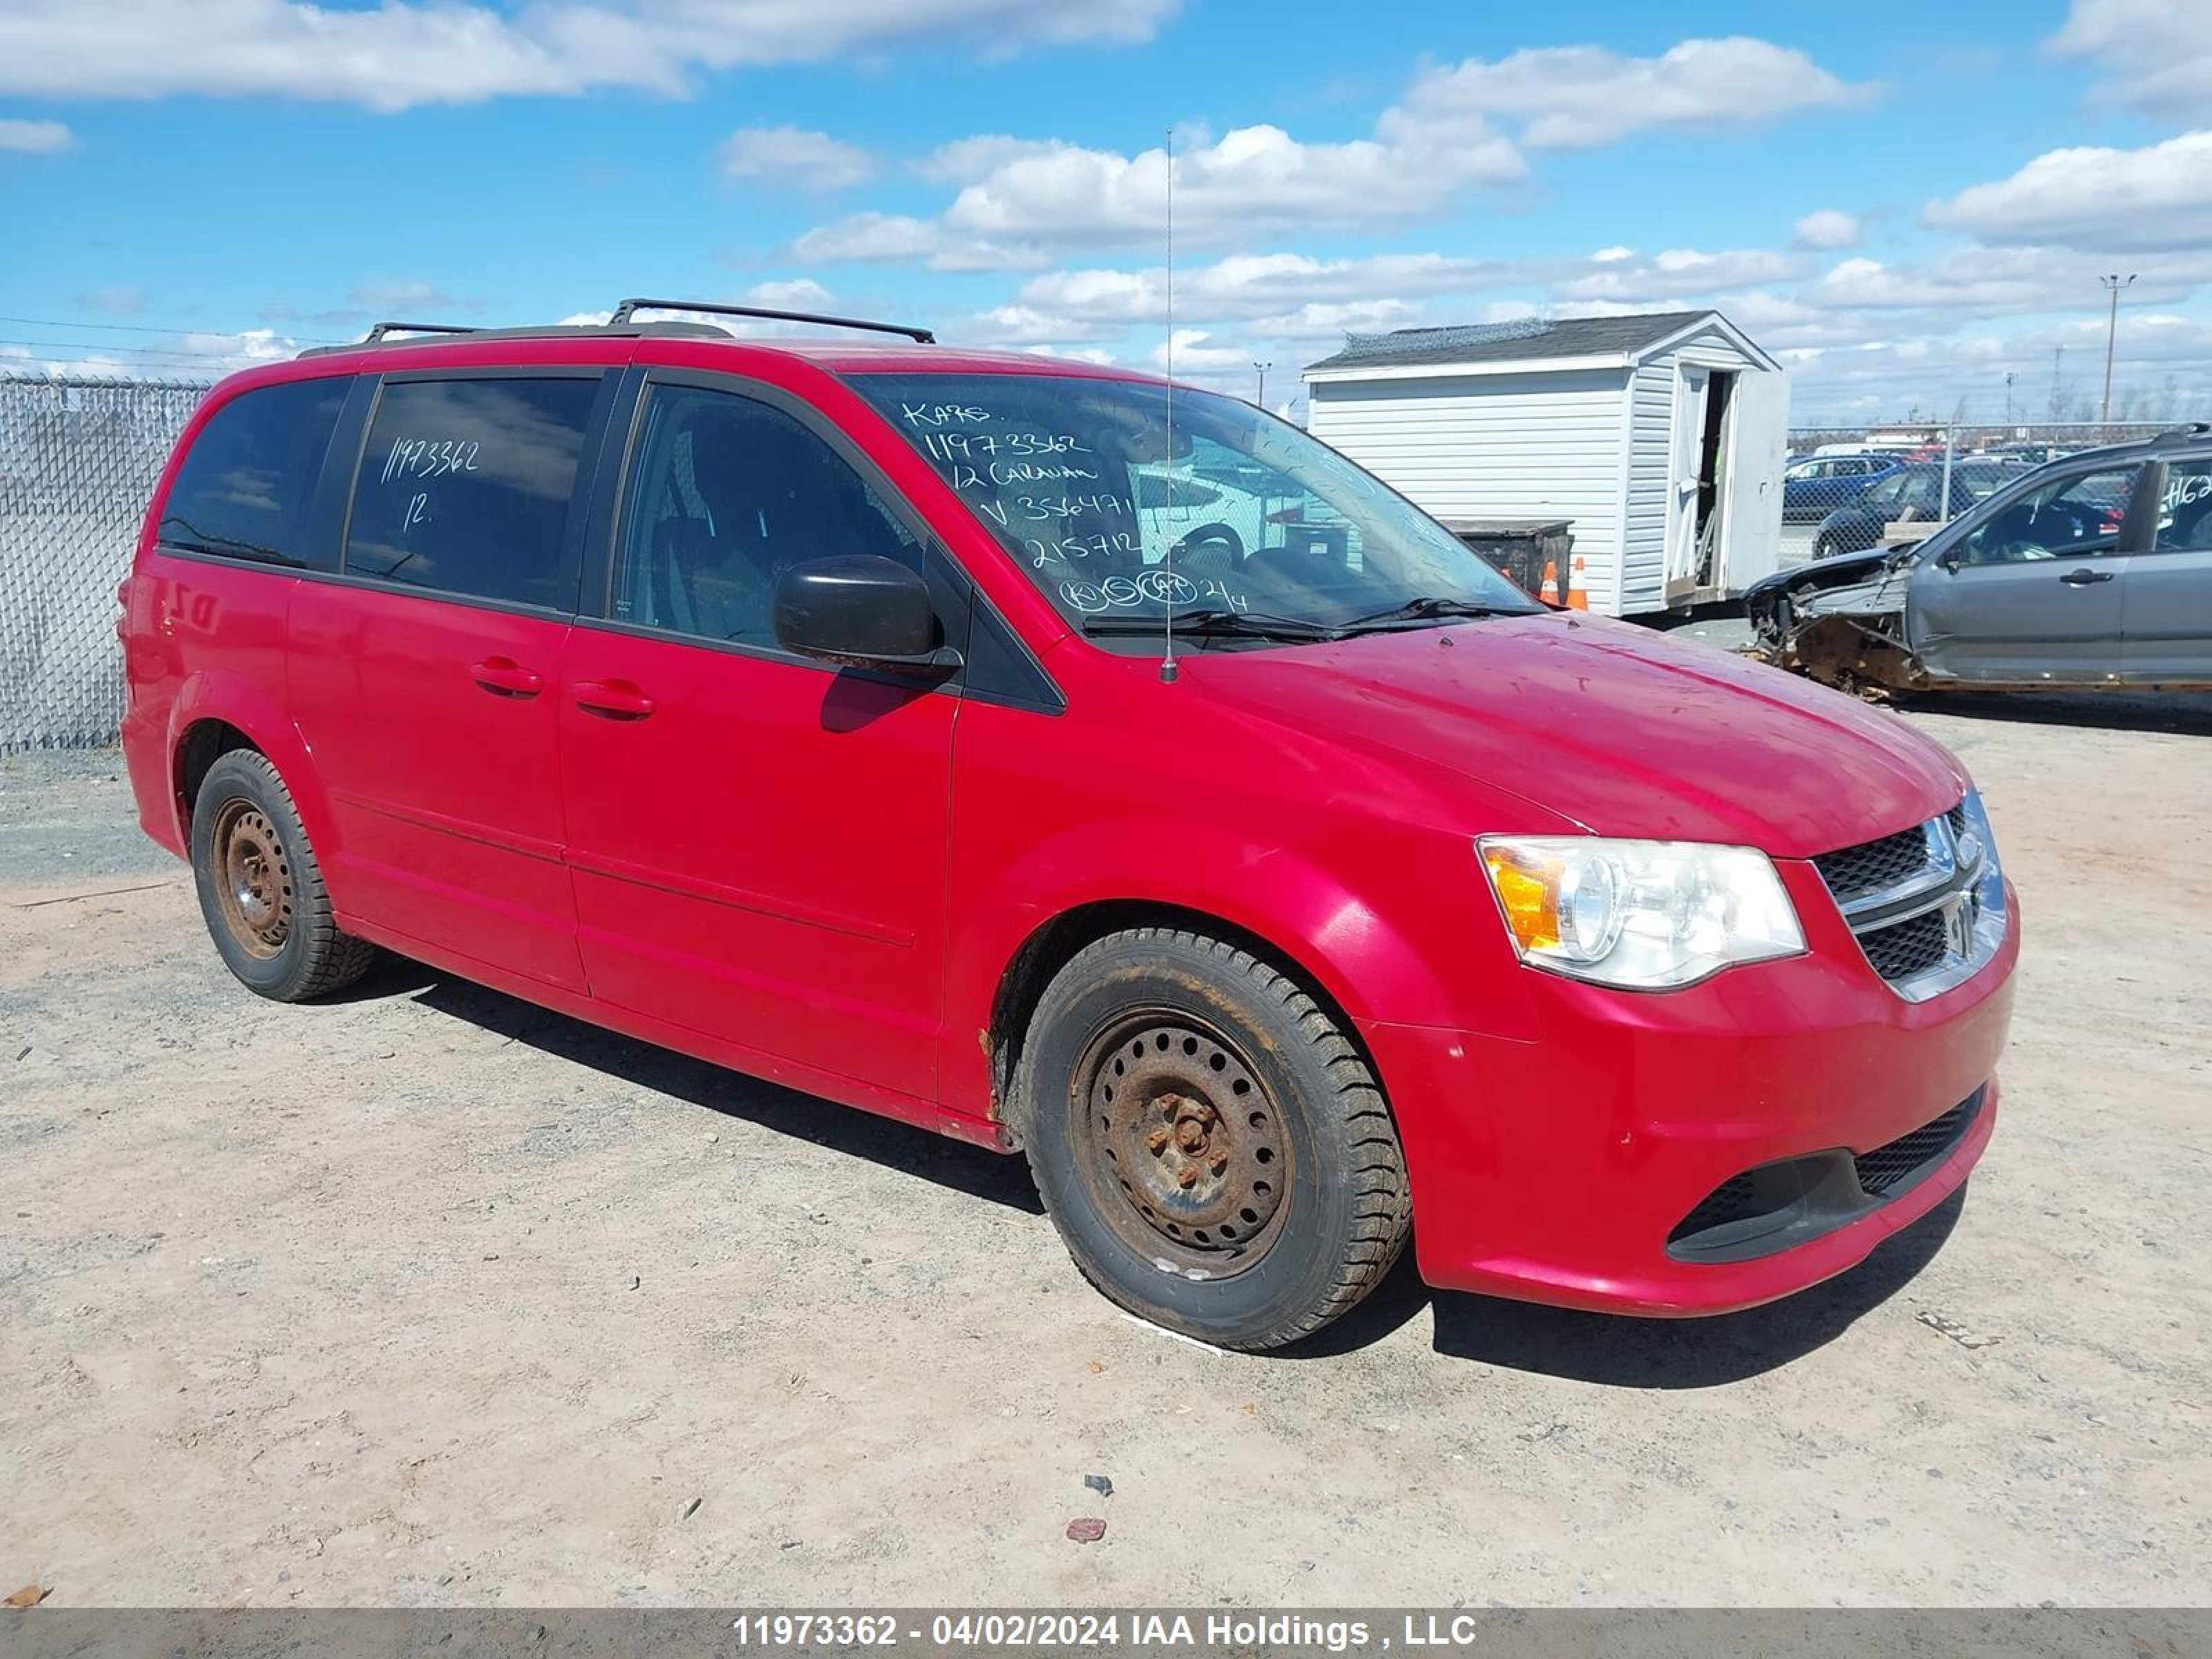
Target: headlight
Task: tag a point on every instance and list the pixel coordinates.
(1976, 840)
(1645, 915)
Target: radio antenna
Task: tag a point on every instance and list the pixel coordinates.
(1168, 669)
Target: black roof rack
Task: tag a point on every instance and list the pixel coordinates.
(629, 308)
(542, 331)
(383, 329)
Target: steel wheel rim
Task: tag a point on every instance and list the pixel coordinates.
(252, 878)
(1180, 1144)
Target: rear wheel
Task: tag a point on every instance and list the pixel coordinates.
(1212, 1147)
(260, 889)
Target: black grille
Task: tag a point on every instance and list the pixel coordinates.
(1771, 1206)
(1874, 867)
(1906, 948)
(1732, 1200)
(1886, 1168)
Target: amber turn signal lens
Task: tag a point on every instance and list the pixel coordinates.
(1527, 888)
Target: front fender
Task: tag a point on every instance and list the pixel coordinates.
(1300, 906)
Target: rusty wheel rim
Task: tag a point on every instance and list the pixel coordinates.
(1181, 1145)
(252, 879)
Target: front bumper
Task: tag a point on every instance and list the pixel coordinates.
(1556, 1170)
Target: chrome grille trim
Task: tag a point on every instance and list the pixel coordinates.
(1954, 862)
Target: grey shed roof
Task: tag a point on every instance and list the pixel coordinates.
(1528, 339)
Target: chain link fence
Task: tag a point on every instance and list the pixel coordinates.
(1848, 488)
(78, 460)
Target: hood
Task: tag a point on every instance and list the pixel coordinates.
(1616, 728)
(1835, 566)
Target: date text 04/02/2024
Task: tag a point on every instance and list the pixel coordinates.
(996, 1630)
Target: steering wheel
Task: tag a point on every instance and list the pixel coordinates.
(1200, 545)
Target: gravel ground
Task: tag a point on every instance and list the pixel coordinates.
(425, 1297)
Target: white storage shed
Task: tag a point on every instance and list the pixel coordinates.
(1661, 436)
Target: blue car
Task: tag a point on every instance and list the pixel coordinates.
(1817, 485)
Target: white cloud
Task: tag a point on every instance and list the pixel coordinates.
(1028, 328)
(2157, 197)
(1980, 283)
(1676, 274)
(969, 158)
(1192, 352)
(1018, 201)
(35, 137)
(1826, 230)
(401, 53)
(796, 159)
(1252, 179)
(2162, 372)
(800, 294)
(2161, 51)
(1577, 97)
(1247, 286)
(1026, 200)
(900, 239)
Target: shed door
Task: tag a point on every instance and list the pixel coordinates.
(1750, 536)
(1692, 384)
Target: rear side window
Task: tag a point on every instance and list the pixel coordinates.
(466, 486)
(247, 483)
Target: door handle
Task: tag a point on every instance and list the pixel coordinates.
(614, 700)
(504, 677)
(2083, 577)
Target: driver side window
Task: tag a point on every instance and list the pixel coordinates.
(2072, 518)
(725, 493)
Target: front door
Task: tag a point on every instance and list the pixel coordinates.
(423, 679)
(2166, 612)
(2033, 594)
(757, 839)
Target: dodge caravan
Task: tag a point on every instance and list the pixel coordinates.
(872, 719)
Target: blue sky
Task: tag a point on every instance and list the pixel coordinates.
(1904, 202)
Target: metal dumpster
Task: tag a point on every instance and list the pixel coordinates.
(1519, 548)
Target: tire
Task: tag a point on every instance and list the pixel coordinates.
(1213, 1149)
(261, 891)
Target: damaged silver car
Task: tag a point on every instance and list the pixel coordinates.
(2092, 572)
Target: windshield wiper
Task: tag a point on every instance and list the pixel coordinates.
(1238, 624)
(1429, 606)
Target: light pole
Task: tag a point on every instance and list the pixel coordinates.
(1261, 398)
(2113, 284)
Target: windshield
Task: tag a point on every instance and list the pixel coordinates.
(1260, 522)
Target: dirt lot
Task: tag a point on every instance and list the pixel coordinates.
(427, 1297)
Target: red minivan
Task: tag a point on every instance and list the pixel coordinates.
(1078, 765)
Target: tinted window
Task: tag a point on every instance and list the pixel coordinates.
(246, 487)
(466, 484)
(725, 495)
(2068, 518)
(2184, 510)
(1888, 493)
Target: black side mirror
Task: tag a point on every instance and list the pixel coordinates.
(865, 612)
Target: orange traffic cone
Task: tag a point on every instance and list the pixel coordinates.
(1548, 589)
(1578, 594)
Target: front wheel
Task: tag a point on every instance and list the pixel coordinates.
(1211, 1146)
